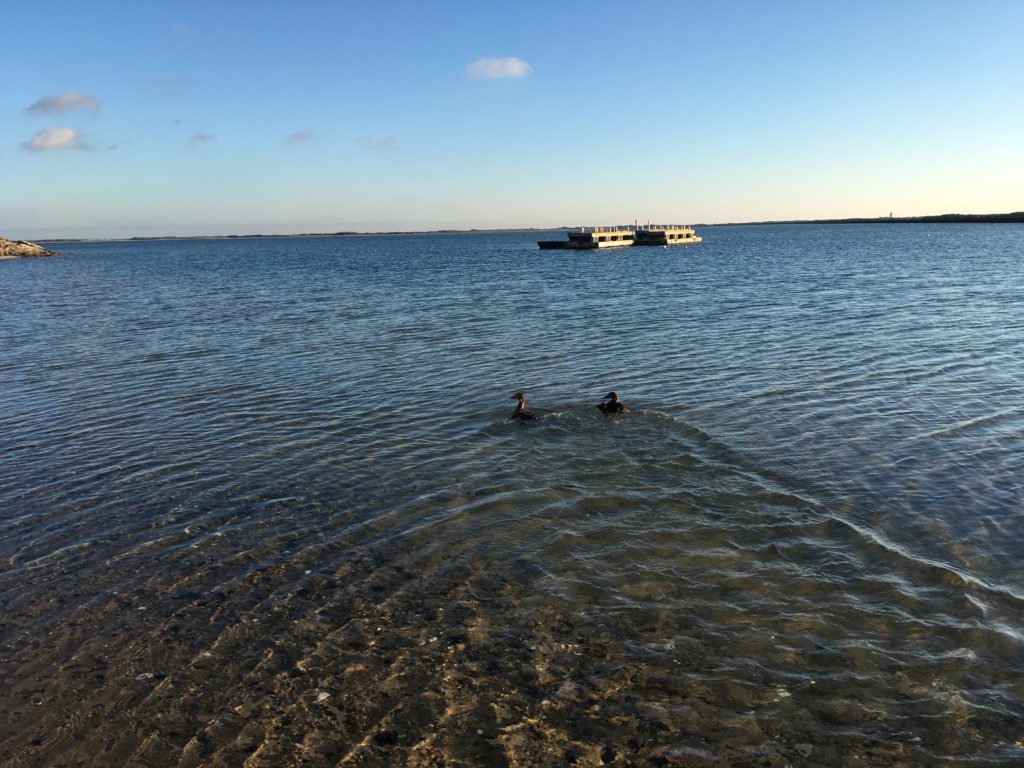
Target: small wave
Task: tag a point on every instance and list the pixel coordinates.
(943, 573)
(1010, 420)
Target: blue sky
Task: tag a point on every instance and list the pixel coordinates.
(149, 118)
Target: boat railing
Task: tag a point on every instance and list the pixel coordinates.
(595, 230)
(661, 227)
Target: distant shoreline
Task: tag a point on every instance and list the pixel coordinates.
(295, 235)
(944, 218)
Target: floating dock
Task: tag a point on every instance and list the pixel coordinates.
(589, 238)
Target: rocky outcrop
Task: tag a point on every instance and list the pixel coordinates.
(16, 249)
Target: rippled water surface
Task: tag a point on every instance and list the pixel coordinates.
(262, 503)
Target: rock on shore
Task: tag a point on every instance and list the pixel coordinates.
(16, 249)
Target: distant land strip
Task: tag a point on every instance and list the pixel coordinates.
(297, 234)
(942, 218)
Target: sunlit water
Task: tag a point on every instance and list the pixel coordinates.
(262, 503)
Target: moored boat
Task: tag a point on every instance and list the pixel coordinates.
(587, 238)
(593, 237)
(666, 234)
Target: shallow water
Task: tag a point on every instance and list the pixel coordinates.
(263, 504)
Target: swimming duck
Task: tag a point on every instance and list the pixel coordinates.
(521, 412)
(613, 405)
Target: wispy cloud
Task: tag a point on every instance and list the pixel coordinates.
(203, 138)
(496, 69)
(64, 103)
(299, 137)
(52, 139)
(377, 142)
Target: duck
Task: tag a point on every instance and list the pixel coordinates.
(613, 405)
(521, 412)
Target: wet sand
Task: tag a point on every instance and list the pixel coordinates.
(400, 658)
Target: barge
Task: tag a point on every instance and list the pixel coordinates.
(588, 238)
(666, 234)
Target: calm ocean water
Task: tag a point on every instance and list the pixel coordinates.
(262, 503)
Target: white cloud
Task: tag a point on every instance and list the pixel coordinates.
(300, 137)
(53, 139)
(203, 138)
(66, 102)
(377, 142)
(494, 69)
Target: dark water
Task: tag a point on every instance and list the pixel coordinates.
(262, 504)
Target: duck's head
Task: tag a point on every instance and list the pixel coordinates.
(613, 396)
(518, 396)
